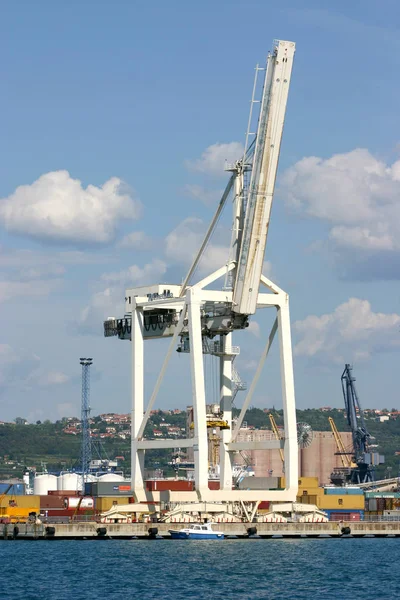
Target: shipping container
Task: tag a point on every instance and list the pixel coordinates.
(342, 515)
(104, 503)
(108, 488)
(371, 504)
(307, 499)
(23, 501)
(51, 502)
(63, 493)
(89, 489)
(17, 489)
(342, 491)
(380, 504)
(383, 495)
(341, 502)
(355, 516)
(308, 482)
(176, 485)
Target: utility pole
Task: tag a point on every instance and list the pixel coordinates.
(86, 451)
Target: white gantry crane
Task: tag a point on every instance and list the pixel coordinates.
(191, 314)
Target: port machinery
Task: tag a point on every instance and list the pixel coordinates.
(358, 465)
(195, 316)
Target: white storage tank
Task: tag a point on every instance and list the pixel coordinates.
(111, 477)
(70, 481)
(43, 484)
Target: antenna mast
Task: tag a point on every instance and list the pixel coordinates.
(86, 451)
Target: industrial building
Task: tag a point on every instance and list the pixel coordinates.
(317, 460)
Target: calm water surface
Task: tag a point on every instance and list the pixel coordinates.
(240, 569)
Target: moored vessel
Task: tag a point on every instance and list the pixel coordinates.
(197, 531)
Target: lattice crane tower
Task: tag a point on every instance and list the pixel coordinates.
(86, 450)
(195, 315)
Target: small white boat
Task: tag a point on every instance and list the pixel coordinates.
(197, 531)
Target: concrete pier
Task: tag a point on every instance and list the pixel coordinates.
(94, 530)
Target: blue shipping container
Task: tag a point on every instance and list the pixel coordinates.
(355, 491)
(335, 491)
(343, 491)
(17, 489)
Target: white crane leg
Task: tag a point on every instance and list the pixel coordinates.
(288, 398)
(198, 391)
(137, 457)
(225, 457)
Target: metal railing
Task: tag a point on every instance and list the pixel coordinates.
(382, 518)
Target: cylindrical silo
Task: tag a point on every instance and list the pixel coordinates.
(111, 477)
(42, 484)
(70, 481)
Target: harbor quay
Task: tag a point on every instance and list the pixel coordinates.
(143, 531)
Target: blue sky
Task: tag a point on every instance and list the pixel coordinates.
(116, 119)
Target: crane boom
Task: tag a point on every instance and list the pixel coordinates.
(355, 415)
(346, 462)
(277, 435)
(262, 183)
(364, 459)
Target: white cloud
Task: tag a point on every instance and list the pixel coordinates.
(45, 272)
(58, 208)
(135, 275)
(14, 289)
(53, 378)
(29, 273)
(16, 366)
(26, 259)
(212, 160)
(107, 303)
(110, 301)
(207, 197)
(136, 239)
(356, 194)
(254, 328)
(351, 332)
(267, 269)
(248, 365)
(182, 244)
(66, 409)
(22, 369)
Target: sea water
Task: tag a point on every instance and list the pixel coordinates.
(317, 569)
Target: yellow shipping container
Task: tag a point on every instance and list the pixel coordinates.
(308, 492)
(341, 502)
(307, 486)
(31, 502)
(311, 482)
(308, 499)
(104, 503)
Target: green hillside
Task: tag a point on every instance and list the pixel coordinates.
(24, 446)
